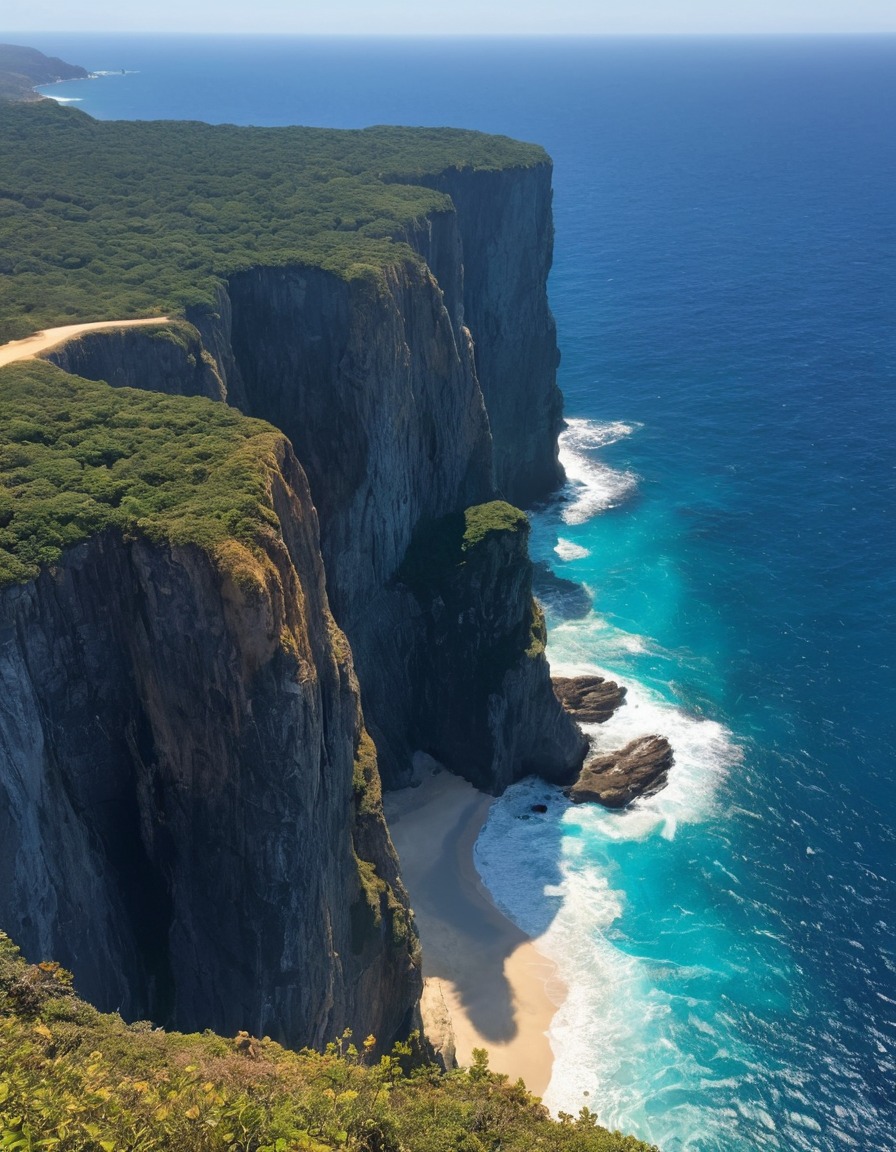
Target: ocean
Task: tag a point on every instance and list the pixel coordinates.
(725, 293)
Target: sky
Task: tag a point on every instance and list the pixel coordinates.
(451, 17)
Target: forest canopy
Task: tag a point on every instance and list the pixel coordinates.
(123, 219)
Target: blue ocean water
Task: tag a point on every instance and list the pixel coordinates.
(725, 291)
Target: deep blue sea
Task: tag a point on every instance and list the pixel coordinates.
(725, 291)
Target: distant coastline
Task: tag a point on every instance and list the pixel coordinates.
(22, 69)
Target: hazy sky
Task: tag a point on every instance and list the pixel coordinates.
(449, 16)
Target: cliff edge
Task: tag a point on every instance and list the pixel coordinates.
(190, 804)
(195, 604)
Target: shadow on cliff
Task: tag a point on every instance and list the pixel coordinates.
(469, 939)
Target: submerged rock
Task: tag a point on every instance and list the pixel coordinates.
(566, 598)
(639, 769)
(590, 699)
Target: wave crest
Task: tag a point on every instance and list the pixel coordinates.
(591, 485)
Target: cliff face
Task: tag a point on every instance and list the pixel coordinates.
(172, 359)
(478, 699)
(401, 414)
(189, 802)
(189, 798)
(381, 389)
(378, 393)
(507, 237)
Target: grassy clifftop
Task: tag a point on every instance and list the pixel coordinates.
(78, 457)
(75, 1080)
(112, 220)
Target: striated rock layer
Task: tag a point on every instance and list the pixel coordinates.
(189, 804)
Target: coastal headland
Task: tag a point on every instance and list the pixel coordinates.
(257, 552)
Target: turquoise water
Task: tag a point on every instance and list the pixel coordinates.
(725, 289)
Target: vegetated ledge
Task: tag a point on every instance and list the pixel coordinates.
(76, 1078)
(133, 237)
(185, 771)
(79, 458)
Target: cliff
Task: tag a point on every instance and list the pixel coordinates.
(507, 238)
(172, 358)
(183, 716)
(484, 653)
(189, 811)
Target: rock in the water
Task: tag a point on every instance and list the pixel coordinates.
(590, 699)
(638, 769)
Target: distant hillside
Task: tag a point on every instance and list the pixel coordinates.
(21, 68)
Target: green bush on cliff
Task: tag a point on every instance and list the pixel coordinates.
(440, 546)
(78, 457)
(112, 220)
(75, 1080)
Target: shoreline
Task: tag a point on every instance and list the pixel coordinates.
(500, 991)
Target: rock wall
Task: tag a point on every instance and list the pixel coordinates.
(171, 359)
(189, 803)
(478, 701)
(507, 239)
(401, 414)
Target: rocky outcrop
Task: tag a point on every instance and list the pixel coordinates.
(482, 702)
(171, 358)
(189, 804)
(590, 699)
(615, 780)
(436, 1027)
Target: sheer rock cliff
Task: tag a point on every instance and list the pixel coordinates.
(190, 797)
(188, 800)
(408, 396)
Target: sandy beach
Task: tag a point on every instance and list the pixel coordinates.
(501, 992)
(50, 337)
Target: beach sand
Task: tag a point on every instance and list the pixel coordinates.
(50, 337)
(501, 992)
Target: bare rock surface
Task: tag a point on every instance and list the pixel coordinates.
(590, 699)
(615, 780)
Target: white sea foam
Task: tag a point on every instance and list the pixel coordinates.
(65, 99)
(568, 550)
(592, 486)
(545, 872)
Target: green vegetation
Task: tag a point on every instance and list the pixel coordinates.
(114, 220)
(78, 457)
(75, 1080)
(440, 546)
(496, 516)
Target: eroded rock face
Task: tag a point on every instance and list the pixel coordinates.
(507, 233)
(615, 780)
(407, 397)
(178, 748)
(188, 801)
(590, 699)
(172, 359)
(482, 700)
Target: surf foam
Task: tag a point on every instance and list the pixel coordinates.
(592, 486)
